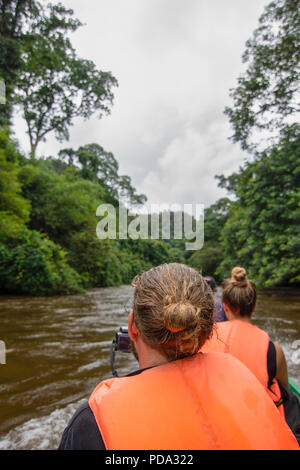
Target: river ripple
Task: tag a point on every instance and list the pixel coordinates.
(57, 350)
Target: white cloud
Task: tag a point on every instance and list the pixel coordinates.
(175, 62)
(185, 172)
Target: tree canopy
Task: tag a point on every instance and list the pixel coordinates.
(54, 86)
(98, 165)
(17, 20)
(259, 227)
(262, 229)
(266, 99)
(48, 242)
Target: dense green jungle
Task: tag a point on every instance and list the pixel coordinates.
(48, 241)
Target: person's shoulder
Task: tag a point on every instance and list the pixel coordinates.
(228, 362)
(82, 432)
(81, 412)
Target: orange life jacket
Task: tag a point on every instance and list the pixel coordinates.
(207, 401)
(250, 345)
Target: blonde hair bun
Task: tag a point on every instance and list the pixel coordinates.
(239, 276)
(173, 309)
(179, 316)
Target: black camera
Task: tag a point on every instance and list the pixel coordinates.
(120, 343)
(122, 340)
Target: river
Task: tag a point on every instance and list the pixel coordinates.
(57, 350)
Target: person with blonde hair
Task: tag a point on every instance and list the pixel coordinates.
(179, 398)
(252, 345)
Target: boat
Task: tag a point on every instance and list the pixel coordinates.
(294, 388)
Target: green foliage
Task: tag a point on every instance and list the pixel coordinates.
(42, 73)
(49, 204)
(215, 218)
(154, 251)
(19, 21)
(267, 95)
(14, 208)
(48, 242)
(13, 16)
(36, 266)
(120, 265)
(11, 226)
(91, 258)
(54, 86)
(100, 166)
(210, 256)
(262, 231)
(62, 204)
(29, 262)
(207, 260)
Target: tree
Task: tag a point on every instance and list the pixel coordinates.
(206, 260)
(54, 85)
(14, 208)
(13, 15)
(215, 218)
(35, 265)
(100, 166)
(210, 256)
(127, 192)
(61, 204)
(262, 230)
(17, 23)
(266, 99)
(30, 263)
(96, 164)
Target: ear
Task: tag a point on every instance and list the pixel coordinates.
(132, 329)
(225, 307)
(254, 308)
(228, 312)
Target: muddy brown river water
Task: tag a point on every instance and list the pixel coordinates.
(57, 350)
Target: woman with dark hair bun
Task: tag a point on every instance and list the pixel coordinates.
(250, 344)
(179, 398)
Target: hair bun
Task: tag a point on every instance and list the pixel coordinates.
(179, 316)
(239, 276)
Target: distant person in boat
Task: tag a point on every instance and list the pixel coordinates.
(250, 344)
(178, 399)
(219, 312)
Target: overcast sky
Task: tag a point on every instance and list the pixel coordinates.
(175, 61)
